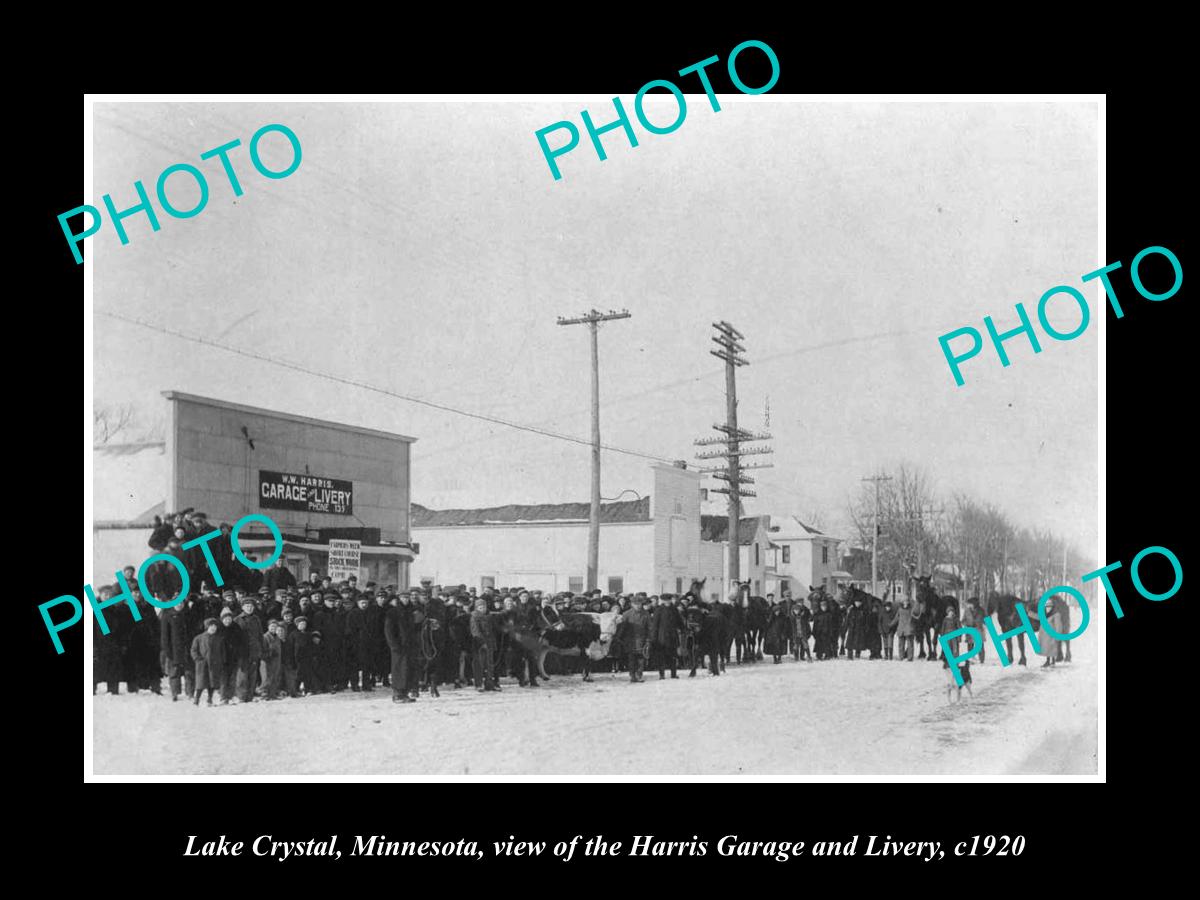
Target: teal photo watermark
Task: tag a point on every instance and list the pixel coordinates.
(975, 637)
(126, 595)
(965, 352)
(184, 169)
(622, 120)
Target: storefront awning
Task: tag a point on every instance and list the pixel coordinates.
(397, 551)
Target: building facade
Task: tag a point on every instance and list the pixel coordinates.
(806, 558)
(651, 544)
(316, 480)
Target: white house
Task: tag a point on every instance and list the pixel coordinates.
(756, 554)
(805, 557)
(651, 544)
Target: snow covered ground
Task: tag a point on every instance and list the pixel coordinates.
(837, 718)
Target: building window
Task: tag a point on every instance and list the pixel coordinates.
(825, 553)
(757, 588)
(487, 581)
(678, 585)
(575, 584)
(787, 553)
(703, 495)
(616, 585)
(679, 507)
(756, 557)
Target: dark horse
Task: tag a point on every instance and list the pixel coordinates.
(756, 611)
(1004, 607)
(934, 612)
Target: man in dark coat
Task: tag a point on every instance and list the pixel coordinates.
(142, 671)
(856, 629)
(665, 625)
(278, 577)
(777, 633)
(381, 657)
(356, 652)
(635, 626)
(175, 641)
(825, 632)
(249, 652)
(397, 629)
(802, 630)
(306, 670)
(483, 638)
(233, 647)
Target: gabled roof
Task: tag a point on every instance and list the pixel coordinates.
(716, 528)
(610, 513)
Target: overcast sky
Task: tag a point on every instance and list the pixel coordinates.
(426, 249)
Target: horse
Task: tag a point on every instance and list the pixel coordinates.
(757, 611)
(1004, 606)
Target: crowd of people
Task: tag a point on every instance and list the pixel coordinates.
(260, 634)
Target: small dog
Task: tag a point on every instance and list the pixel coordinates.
(964, 669)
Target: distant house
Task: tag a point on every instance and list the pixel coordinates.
(756, 554)
(806, 558)
(651, 544)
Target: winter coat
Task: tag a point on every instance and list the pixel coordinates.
(778, 632)
(906, 621)
(141, 654)
(397, 628)
(251, 650)
(276, 578)
(175, 636)
(482, 633)
(635, 626)
(272, 648)
(972, 617)
(856, 628)
(355, 646)
(233, 646)
(825, 628)
(665, 623)
(887, 621)
(802, 621)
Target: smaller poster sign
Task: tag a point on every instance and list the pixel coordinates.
(345, 557)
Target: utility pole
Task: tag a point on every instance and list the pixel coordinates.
(592, 320)
(875, 535)
(728, 339)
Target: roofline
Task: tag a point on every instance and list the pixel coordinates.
(114, 444)
(530, 523)
(289, 417)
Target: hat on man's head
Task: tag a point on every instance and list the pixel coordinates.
(210, 621)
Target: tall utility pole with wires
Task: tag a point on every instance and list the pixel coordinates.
(875, 535)
(593, 320)
(733, 438)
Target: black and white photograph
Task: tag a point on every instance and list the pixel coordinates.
(486, 437)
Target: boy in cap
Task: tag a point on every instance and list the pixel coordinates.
(207, 655)
(250, 651)
(635, 624)
(273, 659)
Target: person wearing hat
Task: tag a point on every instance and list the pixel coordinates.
(357, 652)
(206, 652)
(232, 638)
(398, 631)
(175, 640)
(483, 638)
(665, 625)
(273, 659)
(298, 647)
(250, 651)
(635, 625)
(278, 576)
(333, 630)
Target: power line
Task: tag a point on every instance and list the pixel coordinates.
(370, 387)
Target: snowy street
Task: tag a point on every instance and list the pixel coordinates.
(838, 718)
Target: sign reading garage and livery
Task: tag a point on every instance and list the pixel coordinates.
(284, 490)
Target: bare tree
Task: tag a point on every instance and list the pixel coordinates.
(111, 420)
